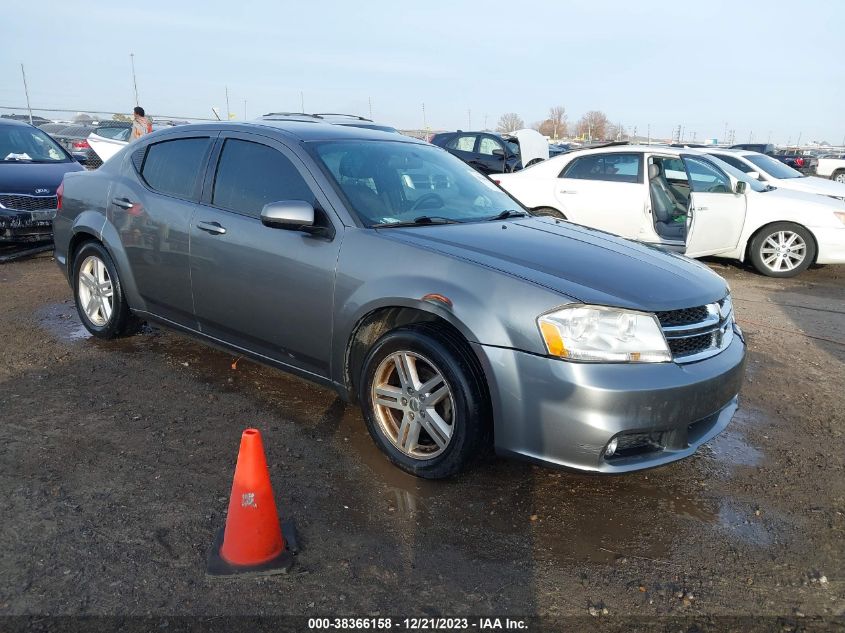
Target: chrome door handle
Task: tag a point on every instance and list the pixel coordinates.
(123, 203)
(566, 191)
(699, 209)
(211, 227)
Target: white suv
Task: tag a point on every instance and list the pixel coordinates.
(687, 201)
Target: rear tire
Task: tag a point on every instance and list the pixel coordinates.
(839, 176)
(782, 249)
(98, 293)
(425, 401)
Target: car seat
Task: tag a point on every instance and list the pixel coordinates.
(663, 205)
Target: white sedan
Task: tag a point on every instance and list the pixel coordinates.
(687, 201)
(771, 170)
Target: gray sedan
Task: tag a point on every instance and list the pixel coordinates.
(390, 271)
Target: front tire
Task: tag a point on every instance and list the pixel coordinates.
(782, 249)
(548, 212)
(424, 401)
(98, 293)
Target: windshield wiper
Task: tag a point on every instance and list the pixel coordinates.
(509, 213)
(420, 221)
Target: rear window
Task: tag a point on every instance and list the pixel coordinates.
(173, 167)
(606, 167)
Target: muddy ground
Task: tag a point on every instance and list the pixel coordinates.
(117, 458)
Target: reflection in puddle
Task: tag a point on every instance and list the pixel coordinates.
(730, 447)
(62, 321)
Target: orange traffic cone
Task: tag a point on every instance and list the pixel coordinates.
(253, 540)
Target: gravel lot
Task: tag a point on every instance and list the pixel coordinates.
(117, 461)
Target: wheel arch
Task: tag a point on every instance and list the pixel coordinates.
(378, 320)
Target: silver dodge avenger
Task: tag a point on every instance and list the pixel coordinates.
(390, 271)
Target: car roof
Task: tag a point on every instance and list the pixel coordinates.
(301, 130)
(13, 122)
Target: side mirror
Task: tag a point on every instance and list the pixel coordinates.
(80, 157)
(293, 215)
(754, 174)
(499, 152)
(741, 186)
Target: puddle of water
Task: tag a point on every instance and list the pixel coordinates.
(731, 447)
(62, 322)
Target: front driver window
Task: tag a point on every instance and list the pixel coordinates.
(705, 177)
(487, 145)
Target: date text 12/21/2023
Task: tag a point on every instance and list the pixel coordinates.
(417, 624)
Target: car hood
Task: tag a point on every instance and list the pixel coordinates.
(813, 184)
(582, 263)
(26, 178)
(532, 146)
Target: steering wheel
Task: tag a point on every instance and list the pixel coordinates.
(428, 197)
(719, 189)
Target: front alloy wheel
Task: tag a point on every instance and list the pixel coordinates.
(414, 405)
(425, 400)
(783, 249)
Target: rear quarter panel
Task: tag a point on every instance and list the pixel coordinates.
(84, 201)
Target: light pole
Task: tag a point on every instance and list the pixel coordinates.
(26, 92)
(134, 81)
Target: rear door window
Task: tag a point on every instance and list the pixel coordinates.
(251, 175)
(174, 167)
(606, 167)
(462, 143)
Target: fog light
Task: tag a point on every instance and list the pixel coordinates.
(611, 447)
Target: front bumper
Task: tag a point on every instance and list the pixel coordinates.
(563, 413)
(26, 226)
(831, 245)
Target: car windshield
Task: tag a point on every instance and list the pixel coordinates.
(773, 167)
(753, 183)
(28, 144)
(391, 182)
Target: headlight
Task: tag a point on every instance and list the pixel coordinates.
(840, 216)
(599, 334)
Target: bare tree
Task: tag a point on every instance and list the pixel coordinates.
(557, 117)
(616, 132)
(510, 122)
(593, 125)
(545, 127)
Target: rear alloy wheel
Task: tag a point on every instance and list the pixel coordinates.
(423, 401)
(782, 249)
(839, 176)
(99, 295)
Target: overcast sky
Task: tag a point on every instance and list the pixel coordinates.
(770, 67)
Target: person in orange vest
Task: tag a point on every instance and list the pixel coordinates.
(141, 125)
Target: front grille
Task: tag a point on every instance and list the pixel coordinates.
(21, 202)
(686, 316)
(699, 332)
(691, 345)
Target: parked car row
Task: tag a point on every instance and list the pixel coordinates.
(685, 200)
(492, 153)
(409, 282)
